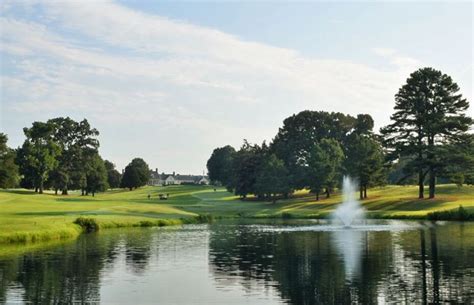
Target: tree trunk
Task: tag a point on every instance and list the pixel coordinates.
(432, 183)
(432, 174)
(64, 192)
(41, 186)
(36, 189)
(317, 196)
(130, 188)
(328, 194)
(56, 191)
(361, 192)
(421, 178)
(82, 192)
(365, 191)
(93, 194)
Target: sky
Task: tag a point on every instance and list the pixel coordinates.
(170, 81)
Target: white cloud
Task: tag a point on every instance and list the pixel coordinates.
(170, 80)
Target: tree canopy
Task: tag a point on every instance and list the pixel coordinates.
(38, 155)
(136, 174)
(324, 165)
(113, 175)
(8, 169)
(429, 116)
(219, 165)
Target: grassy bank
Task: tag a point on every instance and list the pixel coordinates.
(28, 217)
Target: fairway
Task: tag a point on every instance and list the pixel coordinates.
(27, 217)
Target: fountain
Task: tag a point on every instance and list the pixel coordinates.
(350, 208)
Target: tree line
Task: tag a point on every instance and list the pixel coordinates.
(428, 139)
(62, 154)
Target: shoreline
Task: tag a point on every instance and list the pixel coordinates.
(73, 230)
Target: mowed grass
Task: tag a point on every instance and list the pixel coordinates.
(28, 217)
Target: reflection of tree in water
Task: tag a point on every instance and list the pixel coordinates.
(309, 268)
(305, 265)
(71, 273)
(239, 252)
(8, 271)
(138, 250)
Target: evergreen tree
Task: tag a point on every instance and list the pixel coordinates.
(429, 113)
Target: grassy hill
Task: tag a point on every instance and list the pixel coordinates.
(26, 216)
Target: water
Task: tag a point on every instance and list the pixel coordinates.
(251, 263)
(350, 208)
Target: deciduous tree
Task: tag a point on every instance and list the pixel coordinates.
(38, 155)
(137, 174)
(272, 178)
(219, 165)
(324, 165)
(8, 169)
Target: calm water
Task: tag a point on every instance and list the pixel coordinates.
(238, 263)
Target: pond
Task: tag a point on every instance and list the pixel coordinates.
(250, 263)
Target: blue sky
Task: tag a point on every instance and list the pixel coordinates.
(170, 81)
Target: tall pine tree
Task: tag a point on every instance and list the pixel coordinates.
(429, 114)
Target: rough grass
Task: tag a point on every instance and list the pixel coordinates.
(28, 217)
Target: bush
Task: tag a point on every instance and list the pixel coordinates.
(201, 218)
(87, 224)
(286, 215)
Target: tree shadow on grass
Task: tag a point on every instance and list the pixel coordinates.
(22, 192)
(51, 213)
(80, 199)
(404, 205)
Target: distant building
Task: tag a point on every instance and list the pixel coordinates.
(170, 179)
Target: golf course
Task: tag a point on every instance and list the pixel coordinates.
(27, 217)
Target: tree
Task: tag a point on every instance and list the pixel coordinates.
(57, 180)
(400, 172)
(299, 134)
(429, 113)
(113, 175)
(219, 165)
(37, 156)
(246, 167)
(324, 165)
(136, 174)
(8, 169)
(272, 178)
(78, 148)
(96, 176)
(364, 161)
(459, 160)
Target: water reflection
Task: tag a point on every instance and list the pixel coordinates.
(234, 263)
(349, 245)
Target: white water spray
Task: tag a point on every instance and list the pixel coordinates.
(350, 208)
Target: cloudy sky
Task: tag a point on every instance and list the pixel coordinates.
(170, 81)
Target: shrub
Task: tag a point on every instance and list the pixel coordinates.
(87, 224)
(286, 215)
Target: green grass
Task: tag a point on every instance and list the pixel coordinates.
(28, 217)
